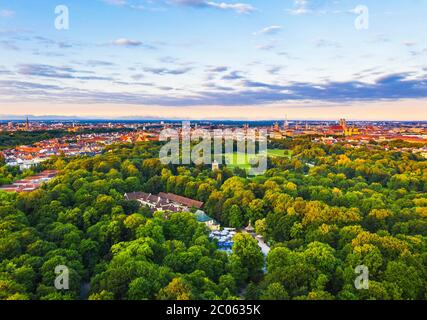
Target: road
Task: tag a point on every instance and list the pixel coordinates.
(264, 247)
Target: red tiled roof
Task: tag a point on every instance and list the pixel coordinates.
(336, 128)
(182, 200)
(164, 200)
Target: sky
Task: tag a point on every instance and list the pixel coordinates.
(214, 59)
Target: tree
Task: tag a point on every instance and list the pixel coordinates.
(247, 252)
(227, 282)
(236, 218)
(177, 289)
(103, 295)
(204, 191)
(376, 219)
(261, 227)
(356, 206)
(256, 210)
(104, 204)
(154, 185)
(275, 291)
(407, 278)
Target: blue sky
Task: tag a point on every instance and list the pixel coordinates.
(214, 59)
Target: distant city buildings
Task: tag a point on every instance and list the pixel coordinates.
(30, 183)
(86, 144)
(358, 133)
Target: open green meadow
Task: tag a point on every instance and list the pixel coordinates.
(237, 160)
(243, 161)
(280, 153)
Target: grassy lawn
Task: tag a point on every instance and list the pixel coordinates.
(237, 159)
(280, 153)
(242, 161)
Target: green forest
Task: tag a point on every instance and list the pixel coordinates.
(324, 211)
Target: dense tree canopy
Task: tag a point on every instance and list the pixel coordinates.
(324, 211)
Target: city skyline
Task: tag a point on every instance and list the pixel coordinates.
(195, 59)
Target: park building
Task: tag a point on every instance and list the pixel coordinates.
(164, 201)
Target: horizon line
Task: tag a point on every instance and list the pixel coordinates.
(77, 118)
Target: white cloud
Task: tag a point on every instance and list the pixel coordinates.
(269, 30)
(312, 6)
(300, 7)
(410, 43)
(116, 2)
(241, 8)
(238, 7)
(123, 42)
(266, 47)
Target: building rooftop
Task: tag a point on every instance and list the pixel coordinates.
(163, 201)
(182, 200)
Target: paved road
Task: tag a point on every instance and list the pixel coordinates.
(264, 247)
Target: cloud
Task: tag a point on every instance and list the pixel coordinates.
(389, 87)
(9, 45)
(5, 13)
(137, 76)
(263, 85)
(275, 70)
(45, 53)
(169, 59)
(129, 43)
(324, 43)
(217, 87)
(13, 32)
(24, 85)
(218, 69)
(4, 71)
(50, 42)
(241, 8)
(48, 71)
(138, 6)
(380, 38)
(99, 63)
(166, 71)
(116, 2)
(266, 47)
(234, 75)
(124, 42)
(213, 72)
(42, 70)
(166, 88)
(302, 7)
(269, 30)
(418, 52)
(409, 43)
